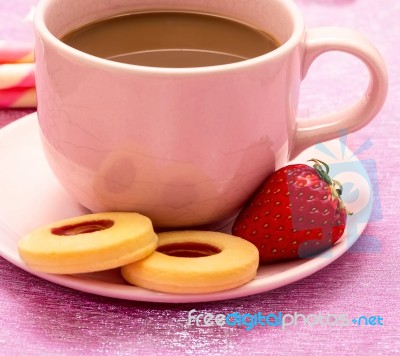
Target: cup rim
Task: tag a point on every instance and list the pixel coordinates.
(294, 39)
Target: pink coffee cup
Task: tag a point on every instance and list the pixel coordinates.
(186, 147)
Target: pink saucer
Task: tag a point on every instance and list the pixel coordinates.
(31, 197)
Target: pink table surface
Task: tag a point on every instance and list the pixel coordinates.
(38, 317)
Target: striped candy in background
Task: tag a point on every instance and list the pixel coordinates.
(17, 69)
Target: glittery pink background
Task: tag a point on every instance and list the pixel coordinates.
(38, 317)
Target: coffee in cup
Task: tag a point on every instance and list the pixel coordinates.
(171, 39)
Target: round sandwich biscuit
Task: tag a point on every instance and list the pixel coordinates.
(195, 262)
(88, 243)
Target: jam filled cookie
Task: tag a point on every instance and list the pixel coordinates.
(195, 262)
(88, 243)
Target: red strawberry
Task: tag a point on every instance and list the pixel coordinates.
(296, 213)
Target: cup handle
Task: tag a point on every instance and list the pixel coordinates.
(314, 130)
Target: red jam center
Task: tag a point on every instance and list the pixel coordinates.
(85, 227)
(188, 249)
